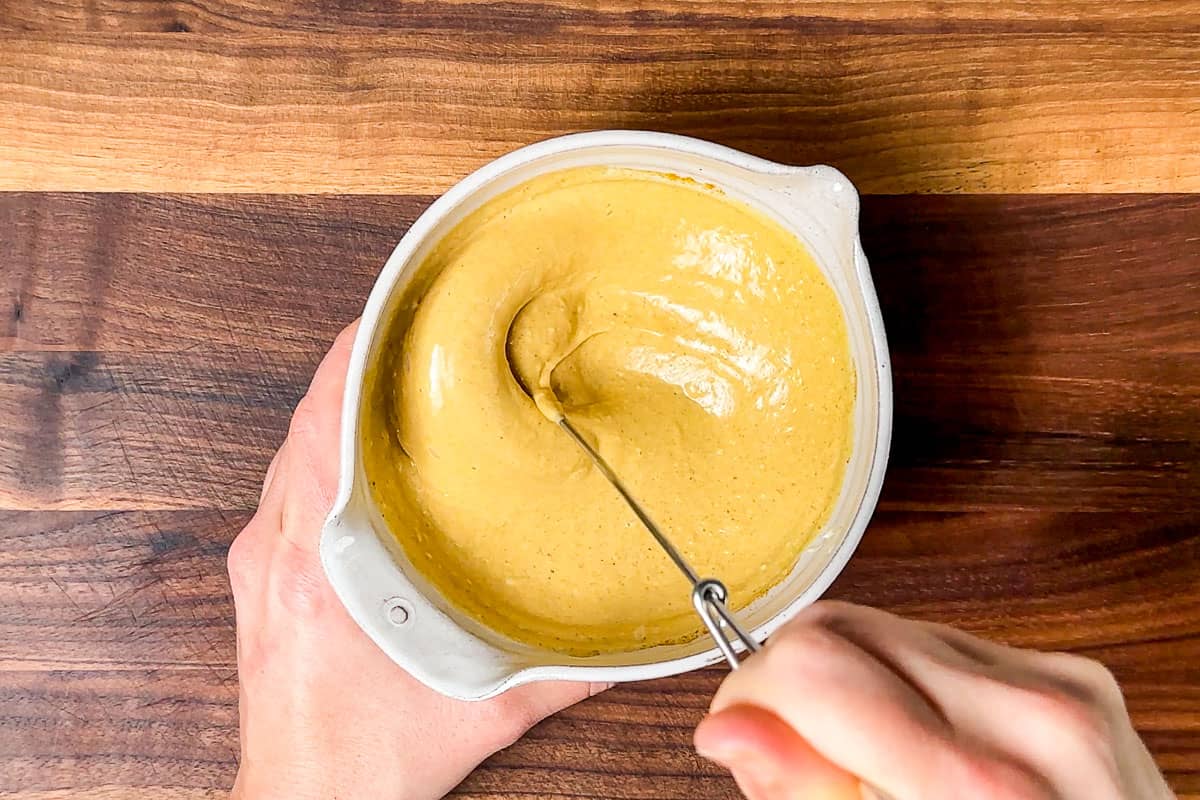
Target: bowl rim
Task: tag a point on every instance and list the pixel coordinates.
(391, 274)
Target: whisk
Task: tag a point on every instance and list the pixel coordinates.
(708, 594)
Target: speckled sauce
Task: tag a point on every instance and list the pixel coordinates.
(688, 336)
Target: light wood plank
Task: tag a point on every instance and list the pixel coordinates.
(415, 111)
(803, 16)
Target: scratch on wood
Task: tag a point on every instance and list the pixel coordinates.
(120, 598)
(67, 595)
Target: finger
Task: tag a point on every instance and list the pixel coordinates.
(269, 478)
(1085, 678)
(248, 552)
(533, 702)
(975, 685)
(329, 380)
(980, 650)
(313, 446)
(914, 651)
(850, 707)
(316, 423)
(768, 759)
(1067, 705)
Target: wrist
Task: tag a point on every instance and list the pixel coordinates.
(282, 784)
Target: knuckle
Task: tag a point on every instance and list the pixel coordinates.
(1077, 722)
(1095, 681)
(241, 561)
(305, 422)
(299, 585)
(803, 647)
(987, 778)
(827, 613)
(855, 622)
(345, 337)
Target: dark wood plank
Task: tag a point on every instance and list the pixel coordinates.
(148, 589)
(1032, 275)
(150, 430)
(196, 430)
(1038, 364)
(412, 111)
(1036, 579)
(221, 16)
(1111, 434)
(172, 734)
(117, 657)
(958, 275)
(109, 591)
(149, 273)
(1038, 352)
(130, 733)
(633, 741)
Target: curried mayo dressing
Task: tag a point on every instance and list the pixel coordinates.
(689, 336)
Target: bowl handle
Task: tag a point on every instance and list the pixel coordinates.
(411, 630)
(823, 204)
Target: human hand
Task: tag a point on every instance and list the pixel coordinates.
(921, 712)
(324, 713)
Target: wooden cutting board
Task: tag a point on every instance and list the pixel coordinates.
(195, 195)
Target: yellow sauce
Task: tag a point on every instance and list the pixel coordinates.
(689, 336)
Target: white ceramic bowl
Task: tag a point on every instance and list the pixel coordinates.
(457, 656)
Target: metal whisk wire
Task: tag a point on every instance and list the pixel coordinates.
(708, 594)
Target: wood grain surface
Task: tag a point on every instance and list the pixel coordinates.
(411, 111)
(1044, 370)
(935, 16)
(196, 195)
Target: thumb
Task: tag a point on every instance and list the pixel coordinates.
(524, 706)
(540, 699)
(768, 759)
